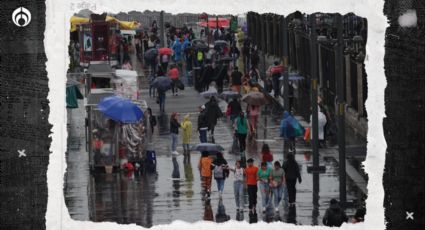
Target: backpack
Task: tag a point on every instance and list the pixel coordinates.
(218, 172)
(200, 56)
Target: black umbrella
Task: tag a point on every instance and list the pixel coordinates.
(207, 147)
(162, 83)
(229, 95)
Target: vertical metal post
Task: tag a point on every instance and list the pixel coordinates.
(314, 71)
(161, 29)
(341, 111)
(285, 63)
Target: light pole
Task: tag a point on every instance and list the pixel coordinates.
(313, 71)
(341, 110)
(285, 75)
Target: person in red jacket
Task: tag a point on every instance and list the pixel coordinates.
(173, 74)
(266, 155)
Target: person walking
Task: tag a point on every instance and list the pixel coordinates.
(241, 129)
(164, 59)
(221, 171)
(292, 173)
(266, 155)
(174, 132)
(334, 215)
(187, 136)
(235, 109)
(253, 112)
(275, 72)
(152, 120)
(251, 182)
(236, 80)
(277, 184)
(205, 170)
(238, 185)
(173, 74)
(161, 100)
(213, 112)
(263, 176)
(202, 124)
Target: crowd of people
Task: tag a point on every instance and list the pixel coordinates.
(199, 66)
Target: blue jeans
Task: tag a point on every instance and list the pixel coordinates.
(186, 147)
(174, 137)
(162, 102)
(238, 191)
(203, 136)
(277, 195)
(285, 196)
(220, 184)
(265, 197)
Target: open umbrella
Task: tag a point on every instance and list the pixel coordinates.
(255, 98)
(212, 92)
(120, 109)
(208, 147)
(201, 46)
(229, 95)
(162, 83)
(165, 51)
(151, 54)
(293, 77)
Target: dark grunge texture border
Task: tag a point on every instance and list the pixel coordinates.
(24, 111)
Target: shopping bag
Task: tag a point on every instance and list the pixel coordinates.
(307, 134)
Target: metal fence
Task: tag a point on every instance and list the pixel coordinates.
(266, 33)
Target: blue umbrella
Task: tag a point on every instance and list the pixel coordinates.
(207, 147)
(162, 83)
(120, 109)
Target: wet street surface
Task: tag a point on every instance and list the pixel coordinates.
(174, 193)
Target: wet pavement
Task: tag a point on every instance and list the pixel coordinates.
(174, 193)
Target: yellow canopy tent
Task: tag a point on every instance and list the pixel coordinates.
(124, 25)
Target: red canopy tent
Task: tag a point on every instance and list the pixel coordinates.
(212, 23)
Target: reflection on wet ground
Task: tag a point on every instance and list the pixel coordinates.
(174, 193)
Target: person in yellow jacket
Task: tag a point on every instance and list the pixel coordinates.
(187, 136)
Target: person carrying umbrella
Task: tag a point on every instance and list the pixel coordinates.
(187, 135)
(202, 124)
(235, 109)
(205, 170)
(213, 112)
(236, 80)
(174, 132)
(253, 112)
(292, 173)
(221, 171)
(164, 59)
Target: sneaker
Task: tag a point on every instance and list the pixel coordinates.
(276, 209)
(175, 153)
(264, 209)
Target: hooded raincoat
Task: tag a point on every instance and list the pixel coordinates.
(187, 130)
(290, 127)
